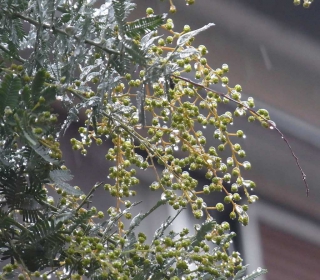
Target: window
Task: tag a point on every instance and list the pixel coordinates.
(286, 244)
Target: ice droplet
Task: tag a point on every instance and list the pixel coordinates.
(185, 174)
(155, 185)
(240, 111)
(163, 196)
(138, 126)
(272, 124)
(246, 164)
(166, 111)
(230, 161)
(199, 213)
(139, 158)
(253, 198)
(241, 212)
(246, 183)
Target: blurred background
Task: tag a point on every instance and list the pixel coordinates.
(273, 51)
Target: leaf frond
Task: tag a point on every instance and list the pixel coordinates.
(60, 177)
(144, 25)
(9, 92)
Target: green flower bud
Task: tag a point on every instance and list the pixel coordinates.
(203, 61)
(227, 199)
(221, 147)
(236, 197)
(242, 153)
(169, 39)
(161, 42)
(251, 119)
(225, 68)
(306, 4)
(187, 68)
(173, 9)
(234, 187)
(238, 88)
(186, 28)
(240, 133)
(220, 207)
(100, 214)
(235, 171)
(202, 49)
(225, 80)
(232, 215)
(149, 11)
(225, 226)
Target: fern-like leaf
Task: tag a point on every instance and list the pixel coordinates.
(17, 32)
(9, 92)
(7, 223)
(121, 64)
(59, 178)
(144, 25)
(119, 13)
(202, 231)
(21, 195)
(186, 37)
(80, 220)
(12, 185)
(26, 96)
(37, 84)
(41, 244)
(49, 94)
(136, 53)
(43, 152)
(31, 205)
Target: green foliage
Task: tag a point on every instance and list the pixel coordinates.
(9, 91)
(130, 83)
(59, 178)
(144, 25)
(37, 85)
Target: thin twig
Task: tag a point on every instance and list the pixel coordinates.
(304, 176)
(88, 195)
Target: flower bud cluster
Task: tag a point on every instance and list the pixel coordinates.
(172, 115)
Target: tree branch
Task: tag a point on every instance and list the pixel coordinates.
(61, 31)
(271, 124)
